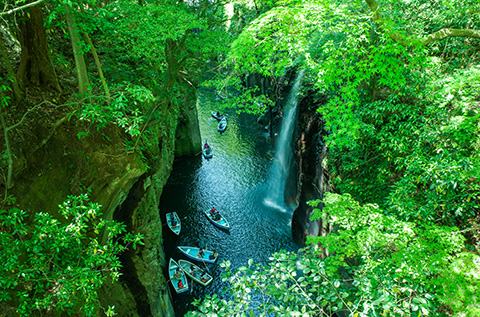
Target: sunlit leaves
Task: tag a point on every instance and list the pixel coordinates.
(54, 265)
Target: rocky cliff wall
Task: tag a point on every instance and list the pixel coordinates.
(312, 176)
(56, 157)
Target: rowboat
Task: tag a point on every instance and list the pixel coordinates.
(177, 277)
(173, 222)
(222, 125)
(194, 253)
(217, 219)
(195, 272)
(207, 151)
(217, 115)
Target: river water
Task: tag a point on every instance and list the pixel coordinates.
(236, 181)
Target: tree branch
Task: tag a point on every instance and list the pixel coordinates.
(436, 36)
(444, 33)
(21, 8)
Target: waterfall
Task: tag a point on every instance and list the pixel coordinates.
(284, 152)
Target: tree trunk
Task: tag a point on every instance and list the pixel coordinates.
(8, 180)
(83, 83)
(35, 68)
(99, 67)
(4, 55)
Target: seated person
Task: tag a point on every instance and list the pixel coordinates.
(177, 273)
(212, 256)
(180, 284)
(201, 253)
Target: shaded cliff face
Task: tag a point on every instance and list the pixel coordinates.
(188, 130)
(312, 178)
(52, 162)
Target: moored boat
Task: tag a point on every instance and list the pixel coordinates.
(217, 219)
(207, 151)
(222, 125)
(199, 254)
(195, 272)
(177, 277)
(173, 222)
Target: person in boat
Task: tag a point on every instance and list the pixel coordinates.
(173, 221)
(200, 253)
(206, 146)
(213, 256)
(218, 114)
(212, 212)
(193, 270)
(177, 273)
(180, 284)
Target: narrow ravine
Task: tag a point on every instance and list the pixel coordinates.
(236, 182)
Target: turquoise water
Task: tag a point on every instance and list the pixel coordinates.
(236, 182)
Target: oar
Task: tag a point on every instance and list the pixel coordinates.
(204, 261)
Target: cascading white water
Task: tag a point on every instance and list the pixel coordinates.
(284, 152)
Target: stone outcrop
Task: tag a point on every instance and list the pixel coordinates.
(188, 130)
(56, 158)
(312, 177)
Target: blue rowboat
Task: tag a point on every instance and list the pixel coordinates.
(177, 277)
(195, 272)
(222, 125)
(217, 219)
(173, 222)
(194, 253)
(207, 151)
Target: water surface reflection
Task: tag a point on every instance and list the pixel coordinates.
(235, 182)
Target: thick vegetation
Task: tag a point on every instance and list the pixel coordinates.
(401, 83)
(92, 65)
(402, 129)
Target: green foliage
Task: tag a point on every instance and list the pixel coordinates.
(376, 266)
(398, 266)
(420, 18)
(417, 156)
(129, 103)
(52, 265)
(4, 99)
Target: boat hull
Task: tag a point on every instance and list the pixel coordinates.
(197, 274)
(207, 152)
(175, 229)
(222, 223)
(176, 274)
(192, 253)
(222, 125)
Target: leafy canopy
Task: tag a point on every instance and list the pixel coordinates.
(50, 264)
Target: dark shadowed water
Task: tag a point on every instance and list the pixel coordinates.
(236, 182)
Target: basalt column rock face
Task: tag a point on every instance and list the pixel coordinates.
(188, 130)
(143, 284)
(54, 162)
(312, 179)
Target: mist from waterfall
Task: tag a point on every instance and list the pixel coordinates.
(284, 152)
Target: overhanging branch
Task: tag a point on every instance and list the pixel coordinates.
(21, 8)
(444, 33)
(436, 36)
